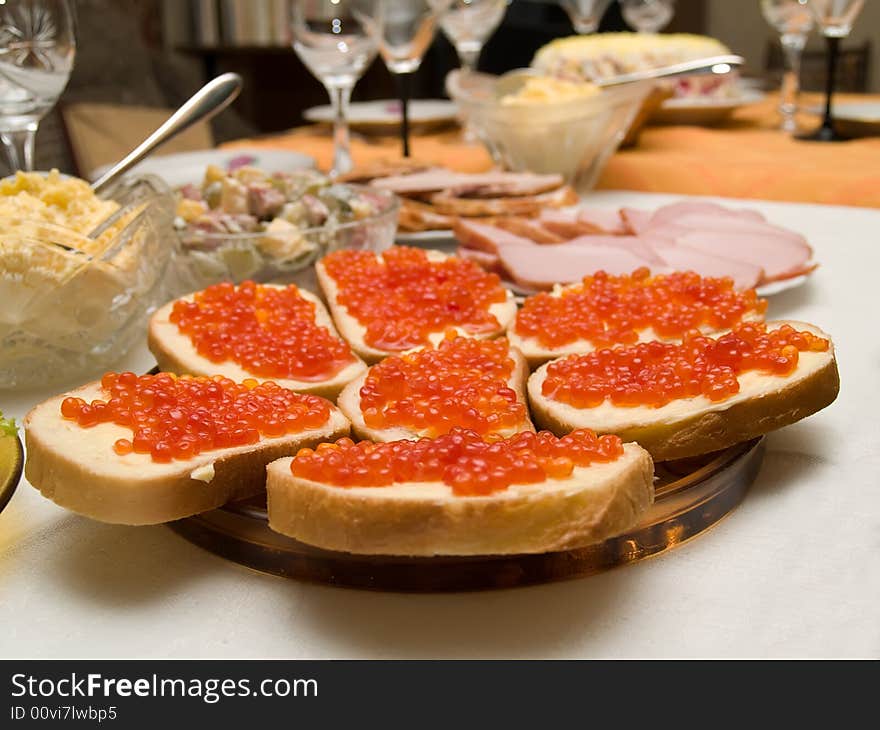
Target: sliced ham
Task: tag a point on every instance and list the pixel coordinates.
(487, 184)
(685, 258)
(528, 228)
(670, 213)
(483, 237)
(489, 262)
(779, 256)
(641, 246)
(635, 220)
(418, 183)
(525, 205)
(607, 219)
(506, 184)
(568, 229)
(535, 268)
(572, 223)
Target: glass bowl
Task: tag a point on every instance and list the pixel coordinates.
(573, 138)
(65, 313)
(208, 258)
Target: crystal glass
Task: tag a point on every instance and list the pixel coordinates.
(331, 38)
(793, 21)
(468, 24)
(407, 31)
(835, 19)
(647, 16)
(585, 14)
(37, 48)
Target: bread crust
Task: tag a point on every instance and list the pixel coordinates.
(779, 402)
(353, 331)
(350, 404)
(144, 493)
(175, 353)
(594, 504)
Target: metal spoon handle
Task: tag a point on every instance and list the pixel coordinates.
(711, 64)
(213, 97)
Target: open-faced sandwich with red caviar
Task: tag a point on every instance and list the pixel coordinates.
(603, 311)
(459, 494)
(262, 331)
(693, 397)
(462, 382)
(404, 298)
(144, 449)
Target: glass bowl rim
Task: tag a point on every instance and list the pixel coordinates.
(392, 203)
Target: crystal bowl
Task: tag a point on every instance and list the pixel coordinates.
(573, 137)
(67, 314)
(289, 257)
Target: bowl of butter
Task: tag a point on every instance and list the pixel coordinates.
(547, 124)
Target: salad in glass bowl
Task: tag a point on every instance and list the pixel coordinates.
(247, 223)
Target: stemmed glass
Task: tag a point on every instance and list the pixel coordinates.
(37, 48)
(331, 38)
(407, 32)
(793, 21)
(585, 14)
(835, 19)
(468, 24)
(647, 16)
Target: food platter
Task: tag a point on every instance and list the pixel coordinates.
(691, 496)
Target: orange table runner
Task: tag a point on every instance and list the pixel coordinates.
(747, 157)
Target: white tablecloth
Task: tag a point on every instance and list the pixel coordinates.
(793, 571)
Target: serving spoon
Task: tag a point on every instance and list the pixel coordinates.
(512, 81)
(213, 97)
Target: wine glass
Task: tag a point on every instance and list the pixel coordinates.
(647, 16)
(793, 21)
(835, 19)
(585, 14)
(468, 24)
(331, 38)
(407, 31)
(37, 48)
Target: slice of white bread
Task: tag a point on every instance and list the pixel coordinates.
(537, 354)
(350, 404)
(175, 353)
(77, 468)
(693, 426)
(424, 519)
(354, 331)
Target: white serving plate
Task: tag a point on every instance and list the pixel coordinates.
(703, 111)
(383, 116)
(189, 167)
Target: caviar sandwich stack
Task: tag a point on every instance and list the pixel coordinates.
(448, 462)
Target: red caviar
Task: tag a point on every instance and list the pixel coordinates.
(179, 417)
(268, 331)
(609, 310)
(461, 459)
(402, 296)
(463, 382)
(656, 373)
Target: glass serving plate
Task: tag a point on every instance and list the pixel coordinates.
(65, 313)
(691, 496)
